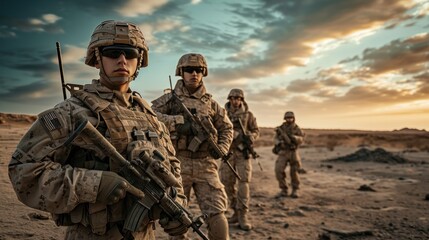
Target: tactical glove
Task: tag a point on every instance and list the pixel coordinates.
(114, 188)
(172, 227)
(248, 139)
(184, 129)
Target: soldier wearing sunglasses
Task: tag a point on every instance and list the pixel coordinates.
(77, 182)
(199, 166)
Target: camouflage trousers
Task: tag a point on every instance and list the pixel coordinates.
(238, 191)
(201, 176)
(285, 157)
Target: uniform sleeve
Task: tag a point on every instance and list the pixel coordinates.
(299, 135)
(223, 126)
(38, 172)
(252, 126)
(277, 137)
(162, 108)
(175, 168)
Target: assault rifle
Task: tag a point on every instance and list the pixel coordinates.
(248, 146)
(205, 132)
(146, 173)
(287, 138)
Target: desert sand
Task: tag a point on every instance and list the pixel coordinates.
(357, 185)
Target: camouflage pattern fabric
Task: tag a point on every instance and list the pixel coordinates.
(239, 193)
(288, 155)
(64, 180)
(199, 169)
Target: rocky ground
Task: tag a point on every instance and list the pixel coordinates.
(357, 185)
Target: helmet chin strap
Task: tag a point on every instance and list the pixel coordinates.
(114, 81)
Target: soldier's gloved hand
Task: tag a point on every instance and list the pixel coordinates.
(249, 139)
(184, 129)
(114, 188)
(172, 227)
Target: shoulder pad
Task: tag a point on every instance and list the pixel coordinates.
(96, 104)
(144, 104)
(162, 100)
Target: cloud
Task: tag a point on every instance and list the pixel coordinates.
(402, 56)
(302, 86)
(43, 68)
(134, 8)
(291, 35)
(44, 23)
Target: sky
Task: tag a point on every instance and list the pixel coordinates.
(355, 64)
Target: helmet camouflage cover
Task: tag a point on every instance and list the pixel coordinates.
(235, 92)
(112, 32)
(289, 114)
(191, 60)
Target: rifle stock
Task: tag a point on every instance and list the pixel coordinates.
(147, 174)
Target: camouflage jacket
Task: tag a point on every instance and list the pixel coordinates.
(291, 131)
(200, 103)
(248, 121)
(64, 179)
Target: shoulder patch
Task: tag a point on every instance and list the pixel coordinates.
(51, 120)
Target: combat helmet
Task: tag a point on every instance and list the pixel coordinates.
(191, 60)
(235, 92)
(289, 114)
(112, 32)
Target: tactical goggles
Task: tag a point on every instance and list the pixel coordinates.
(115, 51)
(192, 69)
(236, 98)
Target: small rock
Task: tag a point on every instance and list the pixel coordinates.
(366, 188)
(286, 225)
(297, 213)
(324, 236)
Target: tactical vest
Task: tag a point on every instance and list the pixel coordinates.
(129, 132)
(201, 107)
(244, 117)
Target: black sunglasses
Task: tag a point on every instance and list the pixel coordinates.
(192, 69)
(115, 52)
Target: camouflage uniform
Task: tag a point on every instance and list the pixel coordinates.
(64, 179)
(199, 169)
(288, 153)
(240, 160)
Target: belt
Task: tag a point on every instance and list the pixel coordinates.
(189, 154)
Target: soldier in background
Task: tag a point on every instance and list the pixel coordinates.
(198, 159)
(287, 140)
(239, 196)
(79, 185)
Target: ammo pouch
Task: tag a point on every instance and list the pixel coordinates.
(205, 130)
(87, 214)
(195, 143)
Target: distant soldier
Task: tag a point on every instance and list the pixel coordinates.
(190, 102)
(287, 140)
(241, 159)
(79, 184)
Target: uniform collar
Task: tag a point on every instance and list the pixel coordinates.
(181, 90)
(123, 99)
